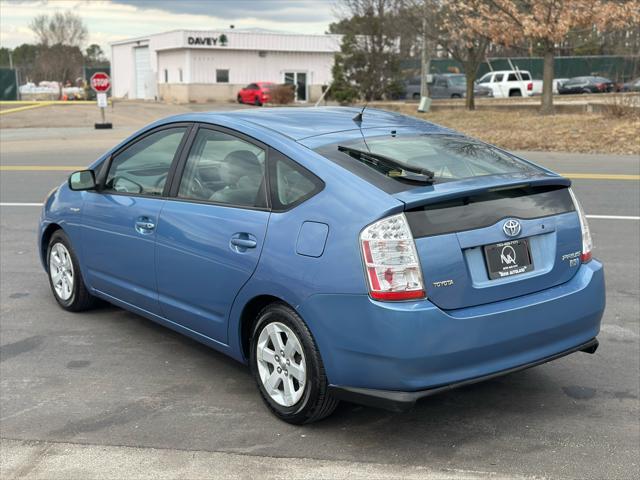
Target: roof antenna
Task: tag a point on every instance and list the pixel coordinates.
(358, 117)
(358, 120)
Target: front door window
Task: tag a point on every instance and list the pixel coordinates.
(143, 168)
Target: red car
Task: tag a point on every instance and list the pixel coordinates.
(256, 93)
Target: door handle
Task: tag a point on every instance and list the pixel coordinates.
(240, 242)
(244, 242)
(145, 225)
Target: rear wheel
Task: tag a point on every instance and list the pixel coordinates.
(288, 368)
(239, 98)
(515, 93)
(65, 277)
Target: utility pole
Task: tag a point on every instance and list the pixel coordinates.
(425, 101)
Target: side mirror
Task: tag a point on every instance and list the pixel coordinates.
(82, 180)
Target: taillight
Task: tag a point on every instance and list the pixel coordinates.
(587, 243)
(391, 261)
(530, 86)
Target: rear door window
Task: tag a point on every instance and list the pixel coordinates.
(222, 168)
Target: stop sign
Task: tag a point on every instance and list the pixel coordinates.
(100, 82)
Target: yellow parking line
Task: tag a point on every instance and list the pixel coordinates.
(27, 107)
(48, 102)
(40, 168)
(37, 104)
(601, 176)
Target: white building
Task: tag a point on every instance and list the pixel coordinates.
(200, 66)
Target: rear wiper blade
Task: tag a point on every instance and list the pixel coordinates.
(408, 172)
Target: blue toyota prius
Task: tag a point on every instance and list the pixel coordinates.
(343, 254)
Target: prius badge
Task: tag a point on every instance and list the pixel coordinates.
(511, 228)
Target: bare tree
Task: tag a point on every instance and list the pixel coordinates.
(463, 43)
(544, 22)
(59, 29)
(59, 36)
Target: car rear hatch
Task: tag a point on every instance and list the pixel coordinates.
(487, 239)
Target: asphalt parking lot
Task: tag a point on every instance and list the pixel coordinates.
(78, 390)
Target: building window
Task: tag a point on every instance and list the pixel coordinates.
(166, 76)
(180, 74)
(222, 76)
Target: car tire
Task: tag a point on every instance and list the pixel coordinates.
(311, 401)
(239, 98)
(257, 102)
(515, 93)
(456, 95)
(65, 277)
(416, 96)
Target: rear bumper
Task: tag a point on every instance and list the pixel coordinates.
(409, 350)
(401, 401)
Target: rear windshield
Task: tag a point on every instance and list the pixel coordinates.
(449, 157)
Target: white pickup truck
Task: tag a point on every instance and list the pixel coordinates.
(511, 83)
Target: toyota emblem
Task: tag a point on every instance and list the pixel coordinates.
(511, 228)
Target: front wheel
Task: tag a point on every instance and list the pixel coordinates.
(65, 277)
(288, 368)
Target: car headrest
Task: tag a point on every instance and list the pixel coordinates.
(238, 164)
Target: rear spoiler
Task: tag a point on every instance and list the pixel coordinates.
(441, 192)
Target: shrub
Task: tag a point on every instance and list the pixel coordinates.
(283, 94)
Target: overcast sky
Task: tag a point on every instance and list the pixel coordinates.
(110, 20)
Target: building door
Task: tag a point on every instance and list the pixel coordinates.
(299, 79)
(143, 72)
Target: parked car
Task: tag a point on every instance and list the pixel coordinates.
(365, 256)
(557, 83)
(632, 86)
(511, 83)
(447, 85)
(256, 93)
(588, 84)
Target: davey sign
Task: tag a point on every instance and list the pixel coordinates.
(220, 41)
(100, 82)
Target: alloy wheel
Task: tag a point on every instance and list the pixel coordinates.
(281, 364)
(61, 271)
